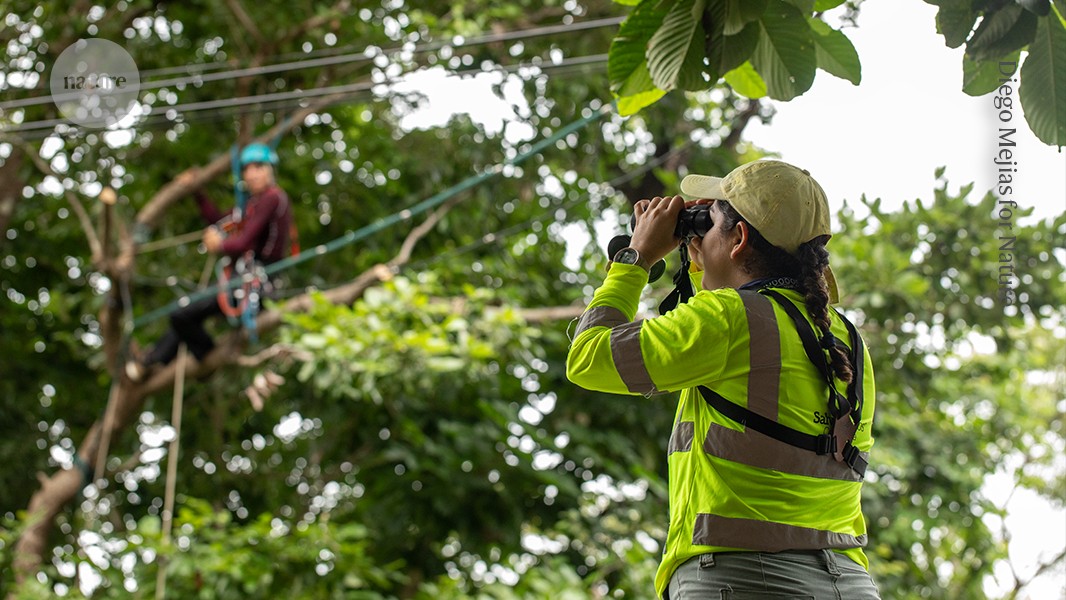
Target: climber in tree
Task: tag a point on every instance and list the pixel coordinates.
(258, 235)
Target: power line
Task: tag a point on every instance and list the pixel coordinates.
(300, 95)
(363, 55)
(496, 236)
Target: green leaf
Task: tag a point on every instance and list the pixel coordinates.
(738, 13)
(746, 81)
(785, 55)
(627, 2)
(979, 78)
(626, 56)
(836, 55)
(1043, 83)
(627, 69)
(1004, 31)
(1040, 8)
(638, 92)
(675, 39)
(149, 526)
(734, 50)
(821, 5)
(955, 21)
(805, 6)
(314, 340)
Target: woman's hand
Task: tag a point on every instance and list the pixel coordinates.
(653, 232)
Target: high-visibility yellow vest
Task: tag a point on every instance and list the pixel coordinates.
(731, 488)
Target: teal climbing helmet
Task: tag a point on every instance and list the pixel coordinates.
(258, 153)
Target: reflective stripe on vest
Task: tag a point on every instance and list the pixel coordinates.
(681, 438)
(750, 447)
(754, 449)
(766, 536)
(600, 316)
(625, 346)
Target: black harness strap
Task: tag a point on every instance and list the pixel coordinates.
(847, 411)
(810, 343)
(838, 404)
(819, 444)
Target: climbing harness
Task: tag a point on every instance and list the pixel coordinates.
(240, 301)
(844, 409)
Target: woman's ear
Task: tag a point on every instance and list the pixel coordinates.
(740, 238)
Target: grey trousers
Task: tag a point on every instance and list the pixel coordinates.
(792, 575)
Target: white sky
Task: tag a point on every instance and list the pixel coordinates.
(909, 116)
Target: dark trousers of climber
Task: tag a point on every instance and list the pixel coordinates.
(186, 325)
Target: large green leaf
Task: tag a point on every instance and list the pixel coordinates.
(746, 81)
(955, 21)
(638, 92)
(1040, 8)
(836, 55)
(669, 49)
(738, 13)
(979, 78)
(1043, 85)
(1006, 30)
(627, 70)
(805, 6)
(734, 50)
(821, 5)
(785, 56)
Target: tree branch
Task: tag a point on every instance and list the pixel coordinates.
(246, 21)
(1020, 585)
(338, 9)
(95, 248)
(752, 110)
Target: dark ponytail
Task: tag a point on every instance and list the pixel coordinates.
(813, 260)
(808, 266)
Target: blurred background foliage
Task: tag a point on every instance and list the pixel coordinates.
(426, 443)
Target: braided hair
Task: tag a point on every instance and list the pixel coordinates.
(808, 266)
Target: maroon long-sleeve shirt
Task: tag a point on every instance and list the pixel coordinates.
(264, 228)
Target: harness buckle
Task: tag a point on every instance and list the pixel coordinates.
(825, 444)
(851, 454)
(853, 458)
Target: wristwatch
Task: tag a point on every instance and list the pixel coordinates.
(629, 256)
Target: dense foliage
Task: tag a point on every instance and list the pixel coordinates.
(426, 443)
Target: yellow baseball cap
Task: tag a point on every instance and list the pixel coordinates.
(783, 202)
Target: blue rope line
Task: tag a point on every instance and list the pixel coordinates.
(359, 234)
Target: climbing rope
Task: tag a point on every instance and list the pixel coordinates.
(178, 240)
(172, 471)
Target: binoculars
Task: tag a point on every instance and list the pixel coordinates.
(694, 221)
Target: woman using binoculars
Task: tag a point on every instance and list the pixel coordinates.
(773, 428)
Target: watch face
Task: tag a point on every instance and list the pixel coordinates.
(627, 256)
